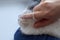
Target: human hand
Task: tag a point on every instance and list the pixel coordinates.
(45, 13)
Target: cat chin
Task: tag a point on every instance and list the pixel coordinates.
(52, 29)
(27, 28)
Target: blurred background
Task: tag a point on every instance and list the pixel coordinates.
(9, 11)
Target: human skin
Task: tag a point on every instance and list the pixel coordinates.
(45, 13)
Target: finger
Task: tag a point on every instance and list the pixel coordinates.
(36, 8)
(44, 6)
(40, 6)
(35, 15)
(43, 23)
(27, 16)
(39, 15)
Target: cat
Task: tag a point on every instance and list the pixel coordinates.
(26, 25)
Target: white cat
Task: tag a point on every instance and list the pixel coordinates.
(26, 25)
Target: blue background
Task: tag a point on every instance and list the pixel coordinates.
(9, 11)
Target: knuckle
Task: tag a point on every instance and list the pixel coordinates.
(45, 3)
(36, 8)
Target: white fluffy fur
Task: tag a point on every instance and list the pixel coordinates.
(26, 26)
